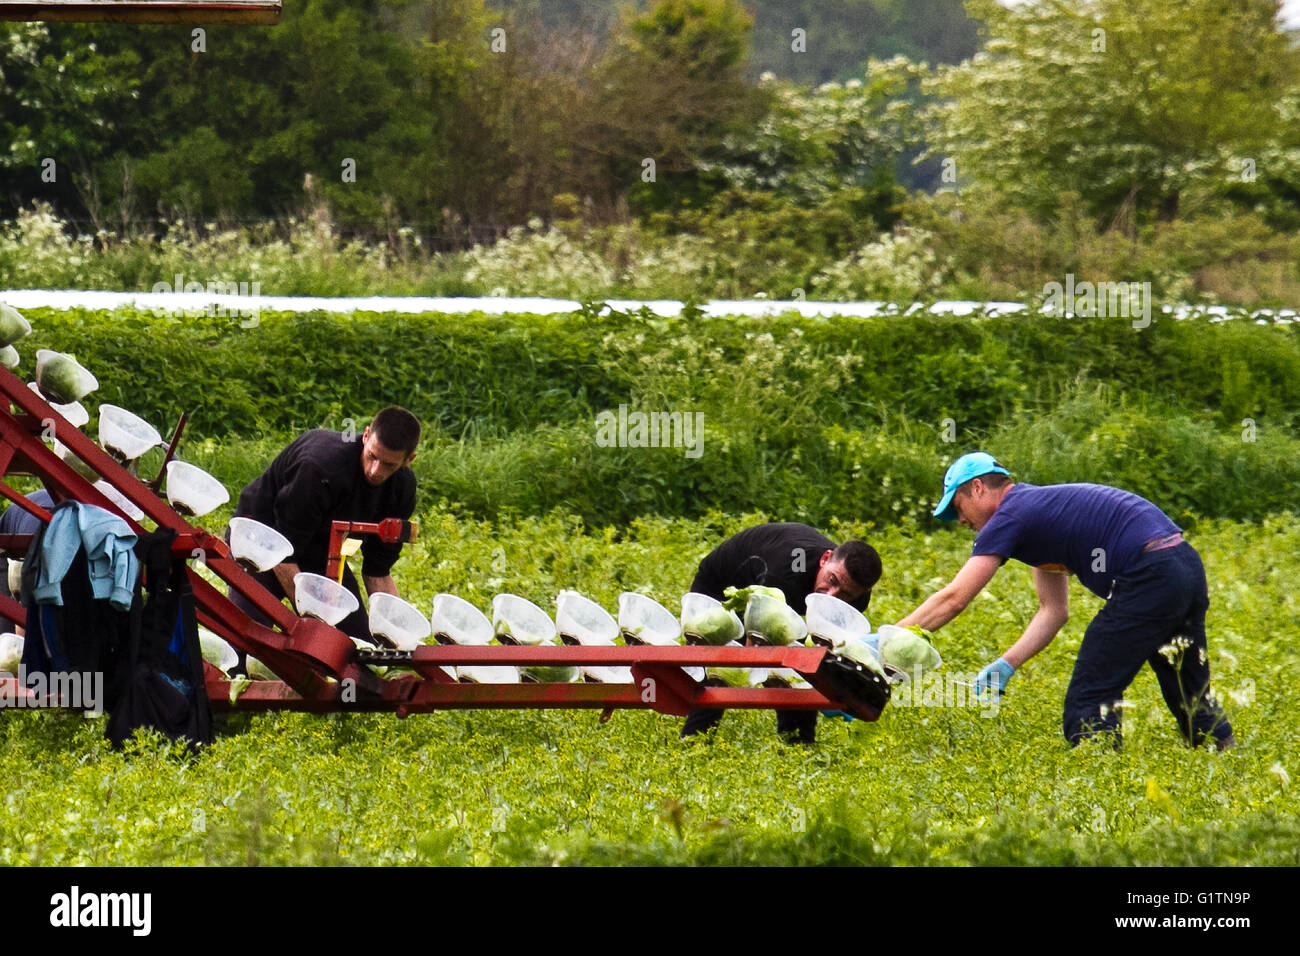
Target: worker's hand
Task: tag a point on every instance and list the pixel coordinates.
(993, 678)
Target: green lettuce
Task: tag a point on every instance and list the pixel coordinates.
(545, 674)
(11, 653)
(716, 626)
(735, 599)
(12, 326)
(908, 648)
(861, 653)
(259, 671)
(63, 381)
(772, 618)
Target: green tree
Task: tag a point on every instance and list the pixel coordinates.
(671, 88)
(1132, 104)
(232, 124)
(60, 101)
(839, 36)
(334, 81)
(520, 134)
(810, 143)
(1270, 181)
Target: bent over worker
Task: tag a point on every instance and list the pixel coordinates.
(797, 560)
(1122, 548)
(324, 476)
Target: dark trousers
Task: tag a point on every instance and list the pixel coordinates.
(1159, 603)
(793, 726)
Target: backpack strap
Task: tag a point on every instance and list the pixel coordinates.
(154, 552)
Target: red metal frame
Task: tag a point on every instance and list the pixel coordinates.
(252, 12)
(320, 668)
(390, 531)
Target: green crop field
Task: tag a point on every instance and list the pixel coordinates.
(516, 497)
(933, 782)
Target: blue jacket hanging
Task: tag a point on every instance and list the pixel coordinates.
(108, 542)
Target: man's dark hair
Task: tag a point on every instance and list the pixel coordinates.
(992, 481)
(397, 430)
(861, 562)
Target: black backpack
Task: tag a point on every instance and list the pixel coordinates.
(160, 680)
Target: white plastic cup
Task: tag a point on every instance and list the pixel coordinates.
(399, 621)
(583, 620)
(645, 621)
(257, 545)
(317, 596)
(193, 489)
(126, 433)
(520, 621)
(459, 621)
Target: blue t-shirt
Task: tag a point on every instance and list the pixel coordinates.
(1094, 531)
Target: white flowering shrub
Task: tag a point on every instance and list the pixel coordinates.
(536, 261)
(812, 142)
(678, 267)
(38, 251)
(899, 267)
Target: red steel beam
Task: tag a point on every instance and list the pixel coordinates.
(12, 609)
(658, 683)
(797, 658)
(414, 696)
(389, 530)
(251, 12)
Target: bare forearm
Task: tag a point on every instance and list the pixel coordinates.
(284, 573)
(1041, 630)
(384, 585)
(950, 600)
(939, 608)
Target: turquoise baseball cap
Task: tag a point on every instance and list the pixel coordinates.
(961, 471)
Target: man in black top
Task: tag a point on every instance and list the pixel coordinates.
(326, 476)
(798, 560)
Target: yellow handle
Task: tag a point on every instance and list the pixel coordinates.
(349, 547)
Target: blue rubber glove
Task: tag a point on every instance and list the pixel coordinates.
(993, 678)
(837, 713)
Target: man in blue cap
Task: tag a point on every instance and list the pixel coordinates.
(1122, 548)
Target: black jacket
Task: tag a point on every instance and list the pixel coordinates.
(779, 555)
(318, 479)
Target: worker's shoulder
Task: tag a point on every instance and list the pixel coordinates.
(778, 528)
(403, 482)
(1068, 487)
(1082, 493)
(17, 520)
(320, 446)
(324, 438)
(773, 533)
